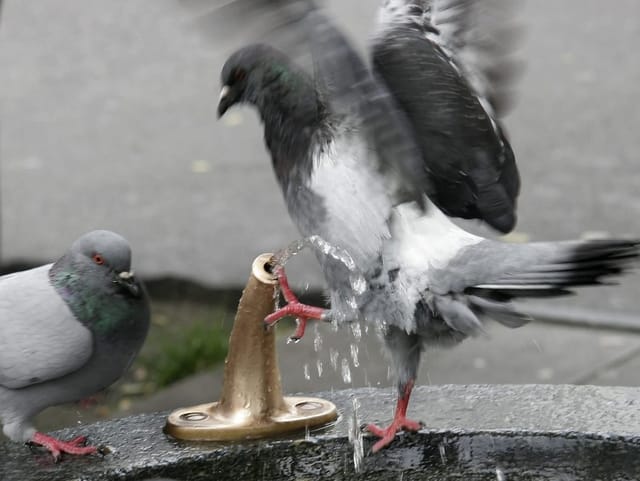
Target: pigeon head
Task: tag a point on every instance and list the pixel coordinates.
(104, 259)
(258, 73)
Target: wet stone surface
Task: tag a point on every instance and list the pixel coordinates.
(474, 433)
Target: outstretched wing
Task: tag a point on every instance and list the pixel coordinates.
(448, 65)
(353, 92)
(349, 87)
(39, 337)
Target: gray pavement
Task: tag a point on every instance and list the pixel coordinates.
(107, 112)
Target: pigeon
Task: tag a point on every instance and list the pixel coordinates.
(365, 171)
(68, 330)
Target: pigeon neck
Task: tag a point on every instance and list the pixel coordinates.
(93, 301)
(291, 113)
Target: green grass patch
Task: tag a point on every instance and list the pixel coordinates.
(193, 349)
(184, 338)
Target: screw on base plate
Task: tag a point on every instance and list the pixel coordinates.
(252, 405)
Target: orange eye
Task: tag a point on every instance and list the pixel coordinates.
(98, 259)
(240, 74)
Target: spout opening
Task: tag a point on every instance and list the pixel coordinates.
(262, 269)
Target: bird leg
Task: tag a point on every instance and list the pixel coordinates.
(56, 447)
(399, 422)
(302, 312)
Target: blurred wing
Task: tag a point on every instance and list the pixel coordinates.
(354, 94)
(40, 339)
(447, 64)
(235, 23)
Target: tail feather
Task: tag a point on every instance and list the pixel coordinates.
(525, 271)
(503, 312)
(577, 264)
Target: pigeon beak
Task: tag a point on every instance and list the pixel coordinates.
(127, 281)
(224, 101)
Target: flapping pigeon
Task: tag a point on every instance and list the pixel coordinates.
(67, 330)
(371, 159)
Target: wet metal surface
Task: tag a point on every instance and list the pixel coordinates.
(251, 405)
(560, 433)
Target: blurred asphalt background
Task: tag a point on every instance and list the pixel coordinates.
(108, 121)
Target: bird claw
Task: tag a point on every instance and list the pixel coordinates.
(300, 329)
(302, 312)
(387, 434)
(56, 446)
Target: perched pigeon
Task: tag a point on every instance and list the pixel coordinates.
(365, 169)
(67, 330)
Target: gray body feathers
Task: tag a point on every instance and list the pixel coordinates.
(68, 330)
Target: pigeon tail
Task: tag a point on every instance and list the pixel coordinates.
(574, 264)
(543, 269)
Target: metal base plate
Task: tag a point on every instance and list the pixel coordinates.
(207, 422)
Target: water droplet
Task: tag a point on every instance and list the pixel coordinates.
(537, 345)
(335, 323)
(319, 366)
(500, 476)
(333, 357)
(358, 283)
(354, 355)
(355, 435)
(356, 330)
(443, 454)
(317, 339)
(307, 376)
(346, 371)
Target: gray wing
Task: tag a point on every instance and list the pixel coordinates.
(234, 22)
(448, 65)
(353, 92)
(40, 339)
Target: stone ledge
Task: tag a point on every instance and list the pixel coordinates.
(528, 432)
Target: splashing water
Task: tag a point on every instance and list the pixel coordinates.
(354, 355)
(443, 453)
(319, 367)
(355, 436)
(356, 330)
(500, 475)
(335, 322)
(307, 376)
(333, 357)
(356, 280)
(317, 339)
(346, 371)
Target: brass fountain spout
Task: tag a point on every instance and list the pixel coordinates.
(252, 405)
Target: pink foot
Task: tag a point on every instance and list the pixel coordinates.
(302, 312)
(89, 402)
(56, 447)
(400, 422)
(387, 434)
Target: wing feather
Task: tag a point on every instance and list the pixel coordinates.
(450, 77)
(40, 339)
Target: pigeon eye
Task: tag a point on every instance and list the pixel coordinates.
(239, 75)
(98, 259)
